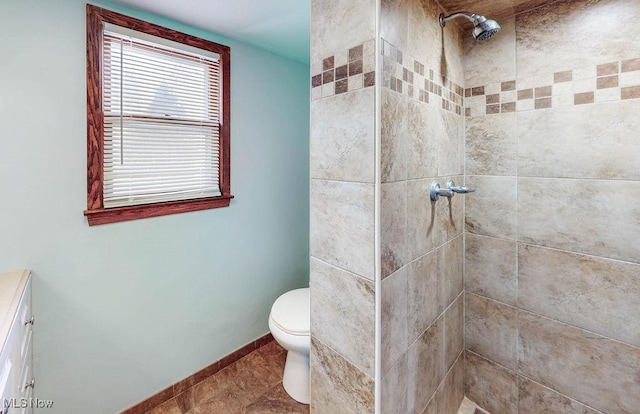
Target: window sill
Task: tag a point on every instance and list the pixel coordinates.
(118, 214)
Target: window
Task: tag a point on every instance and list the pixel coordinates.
(158, 120)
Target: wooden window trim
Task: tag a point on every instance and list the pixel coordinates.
(96, 213)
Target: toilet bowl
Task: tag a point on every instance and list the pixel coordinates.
(289, 322)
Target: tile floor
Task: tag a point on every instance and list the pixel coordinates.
(252, 385)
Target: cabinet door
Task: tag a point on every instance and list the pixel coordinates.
(6, 384)
(23, 325)
(11, 370)
(15, 361)
(24, 321)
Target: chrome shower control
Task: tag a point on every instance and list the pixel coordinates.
(436, 192)
(458, 188)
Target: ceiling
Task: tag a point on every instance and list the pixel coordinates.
(283, 26)
(279, 26)
(492, 9)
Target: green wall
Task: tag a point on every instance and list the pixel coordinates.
(124, 310)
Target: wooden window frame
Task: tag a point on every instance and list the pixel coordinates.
(96, 213)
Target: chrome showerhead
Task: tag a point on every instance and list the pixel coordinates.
(483, 28)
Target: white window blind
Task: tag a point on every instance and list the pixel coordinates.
(161, 122)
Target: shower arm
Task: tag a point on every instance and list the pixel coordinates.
(470, 16)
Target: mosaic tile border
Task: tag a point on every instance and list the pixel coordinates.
(347, 71)
(403, 74)
(608, 82)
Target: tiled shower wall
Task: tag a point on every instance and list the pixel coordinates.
(552, 260)
(420, 272)
(342, 234)
(422, 140)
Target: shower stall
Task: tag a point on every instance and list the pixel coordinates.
(522, 296)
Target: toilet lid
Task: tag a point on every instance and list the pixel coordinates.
(292, 313)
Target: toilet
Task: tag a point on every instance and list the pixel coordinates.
(289, 322)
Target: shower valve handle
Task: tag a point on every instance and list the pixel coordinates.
(437, 191)
(458, 188)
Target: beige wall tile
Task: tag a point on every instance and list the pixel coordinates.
(451, 64)
(369, 55)
(597, 371)
(432, 406)
(393, 136)
(578, 215)
(450, 270)
(343, 313)
(424, 39)
(536, 398)
(571, 161)
(422, 154)
(606, 95)
(630, 78)
(584, 87)
(490, 211)
(450, 213)
(493, 89)
(451, 145)
(450, 394)
(394, 388)
(476, 105)
(423, 303)
(340, 24)
(491, 330)
(493, 61)
(529, 104)
(342, 138)
(490, 268)
(422, 218)
(394, 318)
(585, 141)
(562, 101)
(491, 386)
(597, 294)
(570, 34)
(337, 386)
(454, 331)
(563, 88)
(425, 36)
(328, 90)
(355, 82)
(342, 228)
(340, 58)
(394, 22)
(426, 360)
(491, 145)
(393, 227)
(585, 72)
(316, 93)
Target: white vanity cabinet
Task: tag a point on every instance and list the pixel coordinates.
(16, 331)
